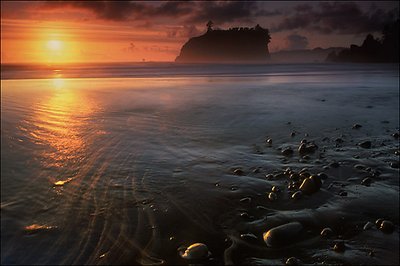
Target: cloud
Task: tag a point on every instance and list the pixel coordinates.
(296, 42)
(185, 31)
(336, 17)
(184, 11)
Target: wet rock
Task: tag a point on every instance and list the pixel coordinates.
(316, 180)
(365, 144)
(343, 193)
(287, 151)
(386, 227)
(269, 176)
(356, 126)
(249, 237)
(368, 225)
(256, 170)
(303, 141)
(397, 152)
(238, 171)
(339, 247)
(294, 177)
(292, 261)
(37, 228)
(272, 196)
(276, 189)
(283, 235)
(196, 251)
(322, 176)
(366, 181)
(309, 186)
(269, 141)
(360, 166)
(326, 232)
(293, 134)
(394, 165)
(297, 195)
(280, 176)
(395, 135)
(378, 222)
(244, 215)
(302, 148)
(304, 175)
(245, 200)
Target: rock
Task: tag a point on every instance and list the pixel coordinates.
(297, 195)
(287, 151)
(269, 141)
(302, 148)
(293, 134)
(244, 215)
(334, 164)
(339, 140)
(238, 171)
(339, 247)
(269, 176)
(378, 222)
(360, 166)
(326, 232)
(196, 251)
(294, 177)
(309, 186)
(386, 227)
(245, 200)
(395, 135)
(394, 165)
(272, 196)
(37, 228)
(322, 176)
(368, 225)
(276, 189)
(256, 170)
(356, 126)
(366, 181)
(283, 235)
(343, 193)
(292, 261)
(249, 237)
(365, 144)
(316, 180)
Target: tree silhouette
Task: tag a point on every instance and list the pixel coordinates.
(209, 25)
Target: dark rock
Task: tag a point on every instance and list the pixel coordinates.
(297, 195)
(287, 151)
(366, 181)
(269, 141)
(269, 176)
(326, 232)
(238, 172)
(334, 164)
(394, 164)
(283, 235)
(309, 186)
(323, 176)
(356, 126)
(386, 227)
(292, 261)
(343, 193)
(339, 247)
(197, 251)
(272, 196)
(365, 144)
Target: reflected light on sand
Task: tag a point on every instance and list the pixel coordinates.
(62, 125)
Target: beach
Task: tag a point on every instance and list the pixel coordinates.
(124, 166)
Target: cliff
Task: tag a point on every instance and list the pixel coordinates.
(233, 45)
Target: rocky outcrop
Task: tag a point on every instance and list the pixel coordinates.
(233, 45)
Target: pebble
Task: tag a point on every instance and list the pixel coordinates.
(326, 232)
(269, 176)
(283, 235)
(316, 180)
(293, 134)
(36, 228)
(256, 170)
(196, 251)
(244, 215)
(269, 141)
(339, 247)
(309, 186)
(302, 148)
(248, 237)
(297, 195)
(368, 225)
(287, 151)
(245, 200)
(356, 126)
(394, 164)
(322, 176)
(276, 189)
(386, 227)
(365, 144)
(294, 177)
(378, 222)
(292, 261)
(238, 172)
(272, 196)
(395, 135)
(366, 181)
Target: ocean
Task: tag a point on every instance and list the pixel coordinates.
(132, 163)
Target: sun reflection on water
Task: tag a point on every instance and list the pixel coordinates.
(62, 125)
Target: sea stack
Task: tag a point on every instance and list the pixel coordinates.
(223, 46)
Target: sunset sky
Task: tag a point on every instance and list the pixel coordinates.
(102, 31)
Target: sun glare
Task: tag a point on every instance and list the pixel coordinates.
(54, 45)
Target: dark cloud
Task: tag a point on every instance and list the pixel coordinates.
(296, 42)
(186, 11)
(185, 32)
(336, 17)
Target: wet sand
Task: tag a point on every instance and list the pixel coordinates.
(134, 171)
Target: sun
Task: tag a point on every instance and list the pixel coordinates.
(54, 45)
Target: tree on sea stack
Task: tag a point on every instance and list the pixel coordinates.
(209, 25)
